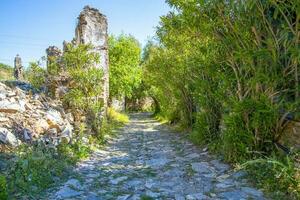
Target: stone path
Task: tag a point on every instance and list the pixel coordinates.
(147, 161)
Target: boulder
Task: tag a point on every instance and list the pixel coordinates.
(7, 137)
(67, 134)
(41, 126)
(7, 106)
(53, 117)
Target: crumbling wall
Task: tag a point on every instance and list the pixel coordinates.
(53, 56)
(57, 79)
(18, 68)
(92, 29)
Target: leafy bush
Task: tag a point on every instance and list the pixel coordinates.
(279, 176)
(35, 75)
(124, 69)
(229, 70)
(86, 84)
(35, 168)
(250, 129)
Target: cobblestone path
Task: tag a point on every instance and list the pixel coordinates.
(148, 161)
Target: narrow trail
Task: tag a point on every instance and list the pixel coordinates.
(148, 160)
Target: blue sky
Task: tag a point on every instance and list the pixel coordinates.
(28, 27)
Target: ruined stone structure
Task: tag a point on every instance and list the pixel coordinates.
(53, 55)
(92, 29)
(57, 79)
(18, 71)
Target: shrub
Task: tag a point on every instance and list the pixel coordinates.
(249, 129)
(3, 188)
(279, 176)
(35, 169)
(35, 75)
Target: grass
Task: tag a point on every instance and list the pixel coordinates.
(279, 176)
(119, 118)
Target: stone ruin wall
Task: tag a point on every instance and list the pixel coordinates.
(91, 29)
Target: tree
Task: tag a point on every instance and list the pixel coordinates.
(125, 70)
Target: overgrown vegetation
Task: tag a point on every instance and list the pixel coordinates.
(6, 72)
(124, 70)
(230, 71)
(36, 75)
(35, 167)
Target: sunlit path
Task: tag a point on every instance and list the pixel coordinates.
(147, 160)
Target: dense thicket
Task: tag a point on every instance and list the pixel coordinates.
(230, 70)
(124, 65)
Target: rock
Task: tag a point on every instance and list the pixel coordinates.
(4, 119)
(252, 191)
(197, 196)
(225, 184)
(60, 92)
(123, 197)
(69, 117)
(193, 156)
(52, 132)
(118, 180)
(7, 137)
(53, 117)
(27, 134)
(239, 174)
(74, 183)
(66, 192)
(221, 167)
(7, 106)
(67, 134)
(152, 194)
(11, 94)
(179, 197)
(201, 167)
(157, 162)
(149, 184)
(234, 195)
(2, 96)
(41, 126)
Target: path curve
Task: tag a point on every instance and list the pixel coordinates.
(148, 161)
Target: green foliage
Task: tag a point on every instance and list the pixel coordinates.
(34, 169)
(280, 176)
(35, 75)
(124, 69)
(3, 188)
(229, 70)
(116, 116)
(250, 129)
(6, 72)
(86, 83)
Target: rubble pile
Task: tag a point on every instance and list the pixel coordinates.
(27, 116)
